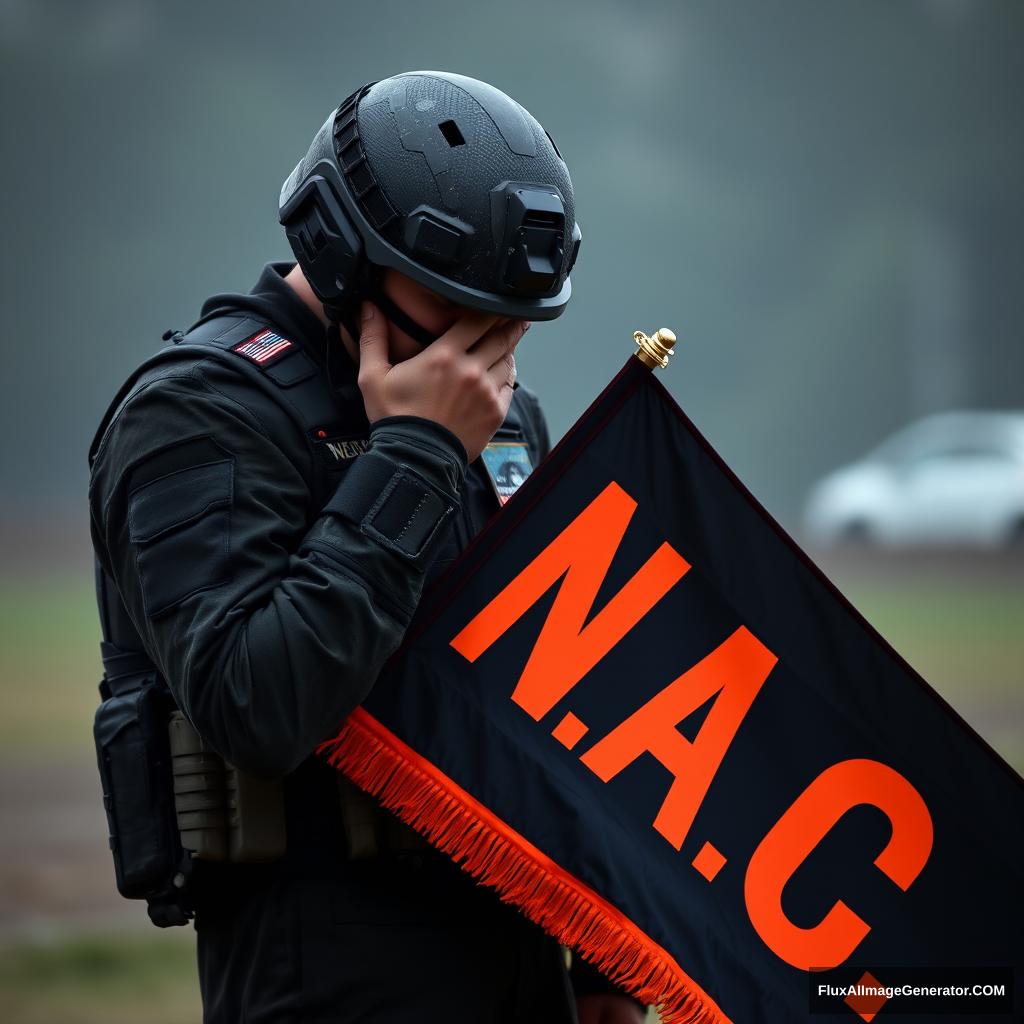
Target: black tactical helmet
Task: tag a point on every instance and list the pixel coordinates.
(444, 178)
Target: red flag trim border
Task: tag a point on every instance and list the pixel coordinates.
(422, 796)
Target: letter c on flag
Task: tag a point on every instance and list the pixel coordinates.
(835, 791)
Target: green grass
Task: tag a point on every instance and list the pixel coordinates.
(966, 638)
(964, 635)
(148, 978)
(49, 665)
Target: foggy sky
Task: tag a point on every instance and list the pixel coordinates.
(757, 176)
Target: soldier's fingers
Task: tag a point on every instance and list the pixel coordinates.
(502, 374)
(510, 362)
(466, 331)
(498, 342)
(373, 342)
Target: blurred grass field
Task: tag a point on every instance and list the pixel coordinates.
(127, 979)
(963, 632)
(964, 636)
(49, 665)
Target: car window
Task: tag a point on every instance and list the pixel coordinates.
(965, 452)
(950, 437)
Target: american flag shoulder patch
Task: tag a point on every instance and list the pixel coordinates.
(263, 347)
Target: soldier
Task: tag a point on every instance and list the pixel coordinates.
(271, 495)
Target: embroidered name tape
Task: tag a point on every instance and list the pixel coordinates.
(263, 347)
(337, 448)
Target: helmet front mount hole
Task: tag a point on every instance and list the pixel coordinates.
(451, 133)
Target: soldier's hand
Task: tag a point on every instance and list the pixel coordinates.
(462, 381)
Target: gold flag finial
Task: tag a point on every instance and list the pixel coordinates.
(655, 350)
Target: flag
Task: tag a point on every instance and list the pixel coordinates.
(643, 715)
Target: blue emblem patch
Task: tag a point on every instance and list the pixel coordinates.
(508, 465)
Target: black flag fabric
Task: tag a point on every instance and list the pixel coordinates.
(639, 711)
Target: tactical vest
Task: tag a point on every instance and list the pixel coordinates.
(139, 771)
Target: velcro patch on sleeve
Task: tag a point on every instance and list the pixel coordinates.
(263, 348)
(180, 527)
(398, 508)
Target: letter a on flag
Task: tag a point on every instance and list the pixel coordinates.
(637, 710)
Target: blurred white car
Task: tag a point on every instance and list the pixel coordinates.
(952, 479)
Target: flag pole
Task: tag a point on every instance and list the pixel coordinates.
(655, 350)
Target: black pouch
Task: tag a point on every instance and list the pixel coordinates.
(134, 755)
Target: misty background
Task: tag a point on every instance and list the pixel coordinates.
(822, 199)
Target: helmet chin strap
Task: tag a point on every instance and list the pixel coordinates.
(398, 316)
(347, 315)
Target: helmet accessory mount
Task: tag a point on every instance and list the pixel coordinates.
(533, 239)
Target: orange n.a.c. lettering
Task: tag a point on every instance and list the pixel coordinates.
(565, 650)
(735, 670)
(799, 831)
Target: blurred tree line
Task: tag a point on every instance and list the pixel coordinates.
(821, 198)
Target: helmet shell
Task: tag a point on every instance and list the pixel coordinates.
(450, 181)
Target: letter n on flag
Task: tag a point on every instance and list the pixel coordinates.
(638, 711)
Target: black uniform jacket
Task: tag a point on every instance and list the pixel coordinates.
(270, 619)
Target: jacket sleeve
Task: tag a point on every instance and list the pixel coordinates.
(269, 625)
